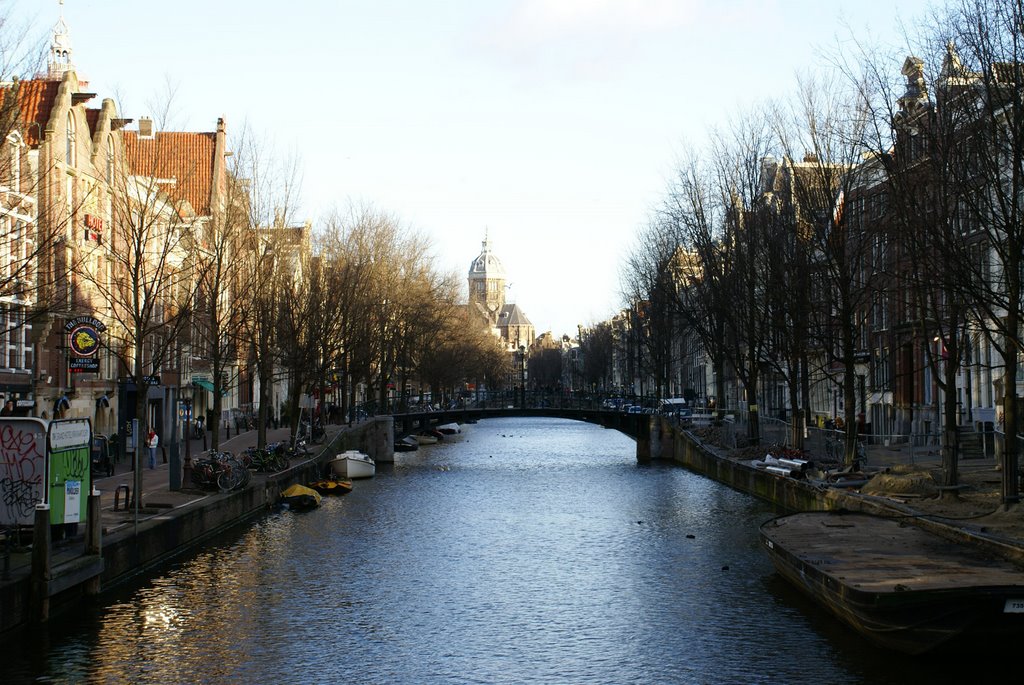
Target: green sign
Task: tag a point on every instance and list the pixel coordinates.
(69, 443)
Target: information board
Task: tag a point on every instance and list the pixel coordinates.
(70, 443)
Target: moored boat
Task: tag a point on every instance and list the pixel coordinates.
(449, 428)
(352, 464)
(428, 437)
(407, 444)
(300, 498)
(332, 486)
(902, 587)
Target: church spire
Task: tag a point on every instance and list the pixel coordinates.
(60, 47)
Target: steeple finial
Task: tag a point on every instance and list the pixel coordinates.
(60, 47)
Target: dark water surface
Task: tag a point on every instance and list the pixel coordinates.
(524, 551)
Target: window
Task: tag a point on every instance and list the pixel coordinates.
(110, 160)
(15, 166)
(15, 340)
(69, 139)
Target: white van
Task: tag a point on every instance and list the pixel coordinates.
(676, 406)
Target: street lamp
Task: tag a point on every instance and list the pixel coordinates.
(522, 376)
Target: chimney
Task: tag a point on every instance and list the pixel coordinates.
(145, 127)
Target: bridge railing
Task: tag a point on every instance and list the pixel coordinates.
(513, 399)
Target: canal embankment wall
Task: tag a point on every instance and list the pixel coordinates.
(132, 545)
(129, 552)
(790, 495)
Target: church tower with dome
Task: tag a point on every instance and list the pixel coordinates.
(487, 284)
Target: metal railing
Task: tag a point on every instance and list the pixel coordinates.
(879, 449)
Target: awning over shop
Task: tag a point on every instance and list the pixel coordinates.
(203, 384)
(207, 385)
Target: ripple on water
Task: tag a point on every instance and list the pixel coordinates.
(524, 551)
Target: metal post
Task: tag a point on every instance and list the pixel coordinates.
(93, 538)
(7, 552)
(41, 571)
(174, 470)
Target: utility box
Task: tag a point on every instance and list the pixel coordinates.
(23, 469)
(44, 462)
(70, 461)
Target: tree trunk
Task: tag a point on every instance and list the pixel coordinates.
(266, 405)
(951, 432)
(1011, 462)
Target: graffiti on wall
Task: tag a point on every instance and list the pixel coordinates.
(22, 469)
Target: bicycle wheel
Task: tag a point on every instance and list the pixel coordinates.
(229, 479)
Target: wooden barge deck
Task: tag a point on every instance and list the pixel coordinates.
(902, 587)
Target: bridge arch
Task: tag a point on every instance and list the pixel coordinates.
(640, 427)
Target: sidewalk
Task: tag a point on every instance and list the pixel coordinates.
(157, 497)
(156, 492)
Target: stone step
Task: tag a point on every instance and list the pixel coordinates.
(972, 445)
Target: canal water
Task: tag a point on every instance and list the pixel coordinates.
(522, 551)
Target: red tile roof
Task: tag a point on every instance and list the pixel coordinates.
(185, 157)
(35, 98)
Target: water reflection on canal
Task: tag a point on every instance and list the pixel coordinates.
(523, 551)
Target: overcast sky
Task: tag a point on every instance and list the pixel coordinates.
(551, 124)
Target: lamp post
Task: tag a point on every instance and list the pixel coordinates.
(522, 377)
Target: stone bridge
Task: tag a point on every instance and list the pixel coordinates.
(640, 427)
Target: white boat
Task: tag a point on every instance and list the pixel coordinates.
(449, 428)
(425, 438)
(353, 464)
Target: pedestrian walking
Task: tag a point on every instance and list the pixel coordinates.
(151, 442)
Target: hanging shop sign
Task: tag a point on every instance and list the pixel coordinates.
(84, 342)
(93, 228)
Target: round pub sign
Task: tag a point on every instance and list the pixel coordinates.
(84, 335)
(85, 340)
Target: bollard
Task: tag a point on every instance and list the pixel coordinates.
(39, 600)
(93, 538)
(174, 471)
(186, 470)
(123, 487)
(7, 554)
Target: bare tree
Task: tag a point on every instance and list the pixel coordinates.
(649, 284)
(35, 216)
(220, 251)
(695, 220)
(828, 128)
(983, 86)
(596, 346)
(273, 244)
(149, 285)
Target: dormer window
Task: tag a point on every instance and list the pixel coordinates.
(69, 151)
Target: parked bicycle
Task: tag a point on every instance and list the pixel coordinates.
(312, 432)
(269, 459)
(220, 471)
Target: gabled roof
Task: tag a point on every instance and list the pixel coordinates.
(35, 99)
(186, 157)
(512, 315)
